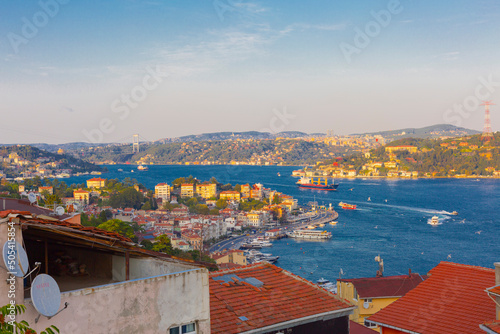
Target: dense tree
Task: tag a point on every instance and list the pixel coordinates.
(118, 226)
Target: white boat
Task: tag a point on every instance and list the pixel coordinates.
(434, 220)
(120, 170)
(279, 174)
(310, 234)
(142, 167)
(454, 213)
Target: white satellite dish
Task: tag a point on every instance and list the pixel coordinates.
(45, 295)
(15, 259)
(32, 197)
(366, 304)
(60, 210)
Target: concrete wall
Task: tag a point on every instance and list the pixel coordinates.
(497, 282)
(144, 267)
(150, 305)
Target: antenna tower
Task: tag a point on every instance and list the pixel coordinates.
(487, 134)
(135, 144)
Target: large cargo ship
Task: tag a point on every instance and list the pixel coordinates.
(318, 183)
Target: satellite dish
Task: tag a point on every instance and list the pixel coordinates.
(366, 304)
(32, 197)
(15, 259)
(45, 295)
(75, 207)
(60, 211)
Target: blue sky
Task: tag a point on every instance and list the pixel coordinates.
(234, 65)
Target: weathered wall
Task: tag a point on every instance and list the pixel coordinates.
(144, 267)
(150, 305)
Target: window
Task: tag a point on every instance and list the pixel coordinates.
(354, 293)
(369, 324)
(184, 329)
(368, 300)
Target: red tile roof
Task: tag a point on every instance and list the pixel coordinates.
(390, 286)
(283, 297)
(494, 290)
(450, 301)
(355, 328)
(493, 326)
(77, 227)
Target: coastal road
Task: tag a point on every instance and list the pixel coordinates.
(235, 242)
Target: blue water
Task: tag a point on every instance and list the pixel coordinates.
(397, 230)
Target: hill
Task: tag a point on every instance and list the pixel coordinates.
(433, 131)
(408, 157)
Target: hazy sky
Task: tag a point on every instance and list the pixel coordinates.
(104, 70)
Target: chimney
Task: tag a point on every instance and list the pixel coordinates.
(409, 272)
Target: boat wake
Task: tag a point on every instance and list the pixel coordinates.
(409, 208)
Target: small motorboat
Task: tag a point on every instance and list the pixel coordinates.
(434, 220)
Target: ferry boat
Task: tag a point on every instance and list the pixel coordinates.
(142, 167)
(434, 220)
(347, 206)
(298, 173)
(309, 234)
(319, 183)
(333, 223)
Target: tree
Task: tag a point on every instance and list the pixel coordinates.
(237, 188)
(277, 199)
(214, 212)
(126, 198)
(163, 244)
(147, 244)
(118, 226)
(221, 203)
(9, 326)
(105, 215)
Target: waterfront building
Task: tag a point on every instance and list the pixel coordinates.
(245, 190)
(409, 148)
(263, 298)
(206, 190)
(187, 190)
(81, 196)
(452, 300)
(162, 190)
(49, 189)
(234, 256)
(96, 183)
(230, 195)
(371, 294)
